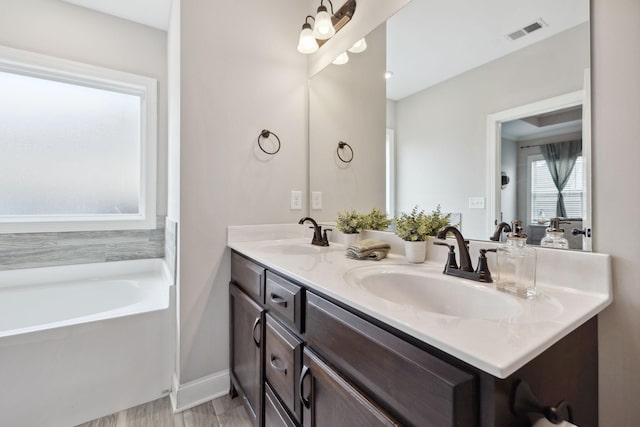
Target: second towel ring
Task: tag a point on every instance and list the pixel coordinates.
(341, 146)
(266, 134)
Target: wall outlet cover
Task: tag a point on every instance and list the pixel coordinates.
(316, 200)
(296, 200)
(476, 202)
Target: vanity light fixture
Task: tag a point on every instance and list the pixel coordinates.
(341, 59)
(323, 28)
(325, 25)
(307, 43)
(359, 46)
(388, 75)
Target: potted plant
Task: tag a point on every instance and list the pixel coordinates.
(376, 220)
(350, 223)
(415, 227)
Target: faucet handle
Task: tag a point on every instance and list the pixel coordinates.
(325, 239)
(482, 270)
(451, 257)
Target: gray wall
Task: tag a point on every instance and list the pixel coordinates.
(347, 103)
(234, 83)
(508, 195)
(616, 153)
(438, 160)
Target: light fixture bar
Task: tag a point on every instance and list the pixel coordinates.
(342, 17)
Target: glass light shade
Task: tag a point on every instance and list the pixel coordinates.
(323, 27)
(359, 46)
(343, 58)
(307, 43)
(388, 75)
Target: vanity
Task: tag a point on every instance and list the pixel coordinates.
(316, 341)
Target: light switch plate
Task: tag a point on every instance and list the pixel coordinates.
(476, 202)
(296, 199)
(316, 200)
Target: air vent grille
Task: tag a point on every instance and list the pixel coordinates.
(521, 32)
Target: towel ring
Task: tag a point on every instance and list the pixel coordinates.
(341, 146)
(266, 134)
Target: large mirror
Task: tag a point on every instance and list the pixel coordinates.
(478, 93)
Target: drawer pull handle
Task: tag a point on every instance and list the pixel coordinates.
(305, 400)
(275, 366)
(253, 331)
(277, 299)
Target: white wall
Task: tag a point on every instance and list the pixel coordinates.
(616, 201)
(441, 131)
(71, 32)
(240, 73)
(347, 103)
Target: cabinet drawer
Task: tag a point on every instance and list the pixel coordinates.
(274, 414)
(283, 358)
(248, 275)
(284, 298)
(414, 386)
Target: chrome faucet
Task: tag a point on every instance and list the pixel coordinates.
(319, 238)
(466, 271)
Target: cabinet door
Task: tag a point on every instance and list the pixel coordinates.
(329, 400)
(246, 335)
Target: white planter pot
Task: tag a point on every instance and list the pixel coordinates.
(415, 252)
(350, 238)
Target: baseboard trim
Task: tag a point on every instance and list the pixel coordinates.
(193, 393)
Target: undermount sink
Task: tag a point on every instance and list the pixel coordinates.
(426, 289)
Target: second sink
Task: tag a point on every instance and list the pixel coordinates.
(426, 289)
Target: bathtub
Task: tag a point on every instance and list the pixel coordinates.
(80, 342)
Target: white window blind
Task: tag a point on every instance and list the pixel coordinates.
(544, 195)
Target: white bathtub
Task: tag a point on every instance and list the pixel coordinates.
(79, 342)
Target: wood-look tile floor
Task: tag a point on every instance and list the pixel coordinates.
(220, 412)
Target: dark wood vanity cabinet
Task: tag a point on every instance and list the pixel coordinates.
(330, 400)
(300, 359)
(246, 339)
(417, 387)
(247, 318)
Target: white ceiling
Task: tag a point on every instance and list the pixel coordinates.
(430, 41)
(154, 13)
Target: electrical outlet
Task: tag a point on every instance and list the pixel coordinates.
(476, 202)
(296, 199)
(316, 200)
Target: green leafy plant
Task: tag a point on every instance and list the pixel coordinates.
(350, 221)
(417, 225)
(377, 220)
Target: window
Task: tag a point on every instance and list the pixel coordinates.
(77, 146)
(544, 195)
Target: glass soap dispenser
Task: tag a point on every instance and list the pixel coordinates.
(555, 236)
(517, 264)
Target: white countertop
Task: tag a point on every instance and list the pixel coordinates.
(500, 346)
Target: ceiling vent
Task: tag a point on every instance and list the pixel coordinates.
(521, 32)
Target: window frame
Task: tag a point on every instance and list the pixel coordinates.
(31, 64)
